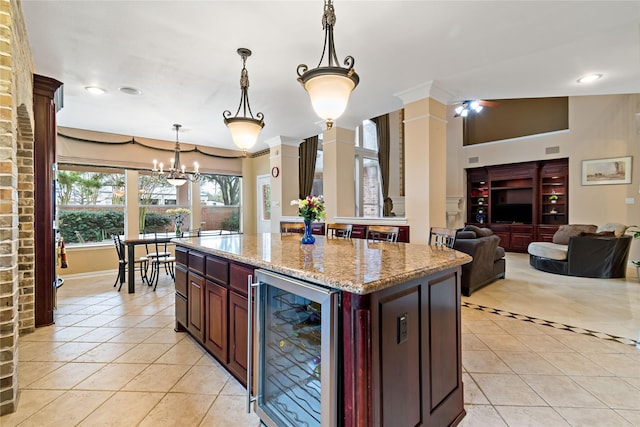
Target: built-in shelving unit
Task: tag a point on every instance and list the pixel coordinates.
(520, 202)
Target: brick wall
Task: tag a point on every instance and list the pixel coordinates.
(16, 201)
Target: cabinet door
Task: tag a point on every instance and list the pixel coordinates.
(181, 280)
(195, 300)
(505, 238)
(216, 328)
(238, 322)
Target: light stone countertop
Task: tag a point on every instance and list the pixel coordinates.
(352, 265)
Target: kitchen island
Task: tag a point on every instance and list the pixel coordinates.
(397, 335)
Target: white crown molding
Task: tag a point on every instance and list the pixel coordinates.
(283, 140)
(425, 90)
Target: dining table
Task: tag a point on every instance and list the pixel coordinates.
(131, 243)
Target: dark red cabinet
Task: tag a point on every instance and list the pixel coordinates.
(216, 328)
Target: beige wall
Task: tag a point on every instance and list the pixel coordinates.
(599, 127)
(251, 168)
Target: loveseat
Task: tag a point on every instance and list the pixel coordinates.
(584, 250)
(488, 262)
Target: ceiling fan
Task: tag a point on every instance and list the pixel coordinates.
(473, 106)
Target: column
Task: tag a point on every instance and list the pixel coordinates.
(196, 206)
(425, 159)
(132, 204)
(284, 187)
(338, 173)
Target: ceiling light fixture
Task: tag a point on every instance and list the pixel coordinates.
(244, 129)
(329, 87)
(467, 107)
(95, 90)
(130, 90)
(176, 174)
(589, 78)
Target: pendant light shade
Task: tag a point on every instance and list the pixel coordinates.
(329, 87)
(244, 132)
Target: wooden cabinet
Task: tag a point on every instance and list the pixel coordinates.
(181, 297)
(516, 200)
(545, 233)
(216, 327)
(521, 236)
(238, 322)
(393, 335)
(211, 304)
(195, 304)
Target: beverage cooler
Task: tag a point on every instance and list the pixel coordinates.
(297, 336)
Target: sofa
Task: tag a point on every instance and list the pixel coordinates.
(584, 250)
(488, 263)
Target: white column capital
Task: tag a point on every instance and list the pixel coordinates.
(425, 90)
(283, 140)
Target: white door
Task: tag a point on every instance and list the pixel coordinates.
(264, 204)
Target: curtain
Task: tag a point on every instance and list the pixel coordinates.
(307, 153)
(382, 125)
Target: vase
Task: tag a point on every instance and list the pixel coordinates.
(307, 238)
(178, 231)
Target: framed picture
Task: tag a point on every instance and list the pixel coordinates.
(616, 170)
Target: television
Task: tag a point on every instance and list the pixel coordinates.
(512, 213)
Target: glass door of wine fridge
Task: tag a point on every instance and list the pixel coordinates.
(297, 330)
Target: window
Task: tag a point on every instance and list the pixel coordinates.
(367, 171)
(155, 197)
(89, 203)
(220, 198)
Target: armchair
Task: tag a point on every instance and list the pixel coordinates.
(601, 254)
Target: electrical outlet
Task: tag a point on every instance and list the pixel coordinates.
(630, 200)
(403, 333)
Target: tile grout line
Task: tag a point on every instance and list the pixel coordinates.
(555, 325)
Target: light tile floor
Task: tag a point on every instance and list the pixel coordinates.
(113, 359)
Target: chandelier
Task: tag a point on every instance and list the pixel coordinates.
(329, 87)
(244, 129)
(176, 174)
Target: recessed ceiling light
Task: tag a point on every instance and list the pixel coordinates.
(589, 78)
(130, 90)
(95, 90)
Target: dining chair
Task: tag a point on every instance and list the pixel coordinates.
(384, 233)
(142, 262)
(339, 230)
(161, 256)
(439, 236)
(291, 227)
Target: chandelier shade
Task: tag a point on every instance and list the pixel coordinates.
(330, 86)
(176, 174)
(244, 129)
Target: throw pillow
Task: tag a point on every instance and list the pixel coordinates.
(599, 234)
(561, 237)
(480, 232)
(617, 228)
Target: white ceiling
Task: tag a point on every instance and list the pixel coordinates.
(182, 55)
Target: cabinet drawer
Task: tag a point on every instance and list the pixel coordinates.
(181, 280)
(238, 277)
(196, 262)
(218, 269)
(181, 310)
(181, 255)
